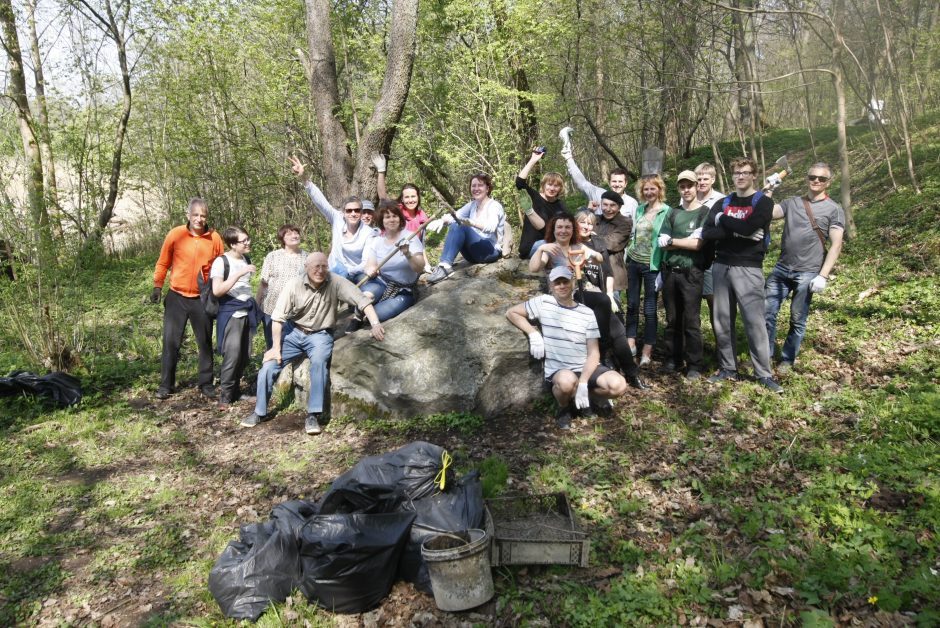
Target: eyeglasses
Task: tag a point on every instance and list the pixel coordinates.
(816, 177)
(353, 210)
(743, 174)
(245, 241)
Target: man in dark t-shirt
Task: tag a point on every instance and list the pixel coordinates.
(738, 226)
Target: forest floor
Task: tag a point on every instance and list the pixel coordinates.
(705, 504)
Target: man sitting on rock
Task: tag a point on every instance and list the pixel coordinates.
(310, 302)
(569, 343)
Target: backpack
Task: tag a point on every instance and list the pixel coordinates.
(210, 302)
(708, 251)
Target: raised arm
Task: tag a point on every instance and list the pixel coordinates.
(381, 165)
(526, 169)
(316, 195)
(592, 191)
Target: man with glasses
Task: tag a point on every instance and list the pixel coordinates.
(738, 225)
(187, 252)
(310, 302)
(804, 265)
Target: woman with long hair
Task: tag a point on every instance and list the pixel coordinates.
(643, 257)
(409, 200)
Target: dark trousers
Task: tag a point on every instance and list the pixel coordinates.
(613, 333)
(682, 296)
(639, 276)
(235, 347)
(178, 309)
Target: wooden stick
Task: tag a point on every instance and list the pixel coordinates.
(385, 259)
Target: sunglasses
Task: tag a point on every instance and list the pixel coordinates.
(816, 177)
(353, 210)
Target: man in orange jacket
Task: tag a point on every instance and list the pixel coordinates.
(188, 250)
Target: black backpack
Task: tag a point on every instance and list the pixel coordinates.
(210, 302)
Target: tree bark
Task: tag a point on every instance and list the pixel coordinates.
(17, 93)
(838, 10)
(336, 161)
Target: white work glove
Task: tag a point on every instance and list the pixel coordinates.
(757, 236)
(581, 398)
(614, 307)
(404, 247)
(536, 345)
(664, 240)
(379, 161)
(818, 284)
(697, 234)
(435, 226)
(658, 284)
(566, 153)
(565, 135)
(773, 182)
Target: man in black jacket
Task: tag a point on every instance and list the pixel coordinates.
(738, 225)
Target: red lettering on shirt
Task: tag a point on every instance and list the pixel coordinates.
(741, 213)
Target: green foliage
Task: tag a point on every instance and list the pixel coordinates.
(494, 472)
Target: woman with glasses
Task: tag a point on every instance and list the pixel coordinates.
(349, 234)
(279, 267)
(643, 257)
(237, 319)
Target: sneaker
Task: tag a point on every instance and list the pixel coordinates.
(354, 325)
(440, 274)
(563, 419)
(602, 407)
(163, 393)
(770, 384)
(722, 375)
(784, 368)
(208, 390)
(636, 382)
(693, 375)
(252, 420)
(645, 361)
(669, 366)
(312, 423)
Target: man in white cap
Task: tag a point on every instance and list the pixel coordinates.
(683, 270)
(569, 343)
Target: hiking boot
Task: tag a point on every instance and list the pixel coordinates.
(252, 420)
(784, 368)
(208, 390)
(770, 384)
(602, 407)
(563, 419)
(723, 375)
(636, 382)
(312, 423)
(440, 274)
(163, 393)
(693, 375)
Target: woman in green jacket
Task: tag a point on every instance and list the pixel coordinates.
(643, 257)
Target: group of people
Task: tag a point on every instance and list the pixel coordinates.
(615, 245)
(711, 246)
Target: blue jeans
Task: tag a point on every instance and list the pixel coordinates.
(781, 283)
(318, 347)
(340, 269)
(388, 308)
(637, 275)
(286, 328)
(465, 240)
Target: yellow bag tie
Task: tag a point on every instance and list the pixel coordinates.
(441, 478)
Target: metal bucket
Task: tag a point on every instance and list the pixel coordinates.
(459, 566)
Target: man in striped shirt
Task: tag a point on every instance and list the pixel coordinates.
(569, 343)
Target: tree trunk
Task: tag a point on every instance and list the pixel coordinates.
(114, 27)
(17, 93)
(42, 115)
(336, 161)
(838, 8)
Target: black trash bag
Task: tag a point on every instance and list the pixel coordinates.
(262, 567)
(60, 388)
(356, 497)
(410, 470)
(459, 508)
(292, 515)
(349, 562)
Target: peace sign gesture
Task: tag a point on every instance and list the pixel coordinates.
(297, 167)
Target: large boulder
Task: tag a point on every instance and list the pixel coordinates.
(454, 351)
